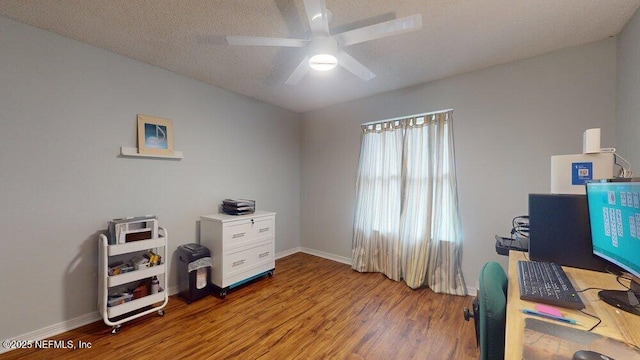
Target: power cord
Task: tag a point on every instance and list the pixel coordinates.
(595, 288)
(586, 313)
(620, 282)
(593, 316)
(624, 172)
(520, 226)
(589, 288)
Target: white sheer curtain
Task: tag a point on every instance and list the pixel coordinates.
(377, 239)
(406, 223)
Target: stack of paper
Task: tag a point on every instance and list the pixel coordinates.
(238, 206)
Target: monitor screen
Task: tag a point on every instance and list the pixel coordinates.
(614, 214)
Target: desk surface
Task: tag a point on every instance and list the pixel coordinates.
(615, 323)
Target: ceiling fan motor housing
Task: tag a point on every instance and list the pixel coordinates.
(323, 53)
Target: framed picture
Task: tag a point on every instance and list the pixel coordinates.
(155, 135)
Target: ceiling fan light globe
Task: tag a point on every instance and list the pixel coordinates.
(323, 62)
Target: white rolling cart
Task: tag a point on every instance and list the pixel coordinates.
(117, 314)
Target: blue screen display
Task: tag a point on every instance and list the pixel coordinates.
(614, 214)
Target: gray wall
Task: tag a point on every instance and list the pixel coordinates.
(628, 93)
(65, 110)
(508, 121)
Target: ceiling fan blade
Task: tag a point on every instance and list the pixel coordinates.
(346, 61)
(377, 31)
(299, 72)
(265, 41)
(317, 14)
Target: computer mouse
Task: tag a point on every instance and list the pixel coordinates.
(590, 355)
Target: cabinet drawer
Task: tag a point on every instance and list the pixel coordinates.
(245, 232)
(239, 261)
(263, 227)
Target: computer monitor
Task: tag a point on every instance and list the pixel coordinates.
(559, 231)
(614, 215)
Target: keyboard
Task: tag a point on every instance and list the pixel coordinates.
(547, 283)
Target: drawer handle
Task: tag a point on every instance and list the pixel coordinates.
(238, 235)
(237, 263)
(263, 230)
(263, 255)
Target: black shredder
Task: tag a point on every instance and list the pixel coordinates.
(194, 271)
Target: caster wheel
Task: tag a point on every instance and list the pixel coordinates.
(467, 314)
(115, 329)
(161, 312)
(270, 273)
(222, 294)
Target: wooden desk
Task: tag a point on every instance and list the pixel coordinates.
(615, 323)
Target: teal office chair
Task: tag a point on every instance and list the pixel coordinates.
(493, 311)
(490, 311)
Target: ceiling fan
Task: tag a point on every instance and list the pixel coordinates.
(325, 49)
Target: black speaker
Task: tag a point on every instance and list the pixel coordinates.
(559, 231)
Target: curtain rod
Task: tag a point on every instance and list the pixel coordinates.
(405, 117)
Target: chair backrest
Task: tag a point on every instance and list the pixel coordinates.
(493, 311)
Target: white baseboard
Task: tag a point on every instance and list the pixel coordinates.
(286, 253)
(174, 290)
(321, 254)
(56, 329)
(86, 319)
(325, 255)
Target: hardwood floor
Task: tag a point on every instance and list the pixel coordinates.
(312, 308)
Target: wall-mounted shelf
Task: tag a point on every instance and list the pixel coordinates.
(133, 152)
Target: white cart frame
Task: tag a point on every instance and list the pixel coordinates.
(105, 281)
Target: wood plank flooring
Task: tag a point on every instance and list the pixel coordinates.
(312, 308)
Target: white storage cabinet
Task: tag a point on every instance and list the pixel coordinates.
(242, 247)
(116, 315)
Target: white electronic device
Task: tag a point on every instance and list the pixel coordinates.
(591, 141)
(570, 172)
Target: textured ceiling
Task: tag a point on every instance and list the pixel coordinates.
(457, 36)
